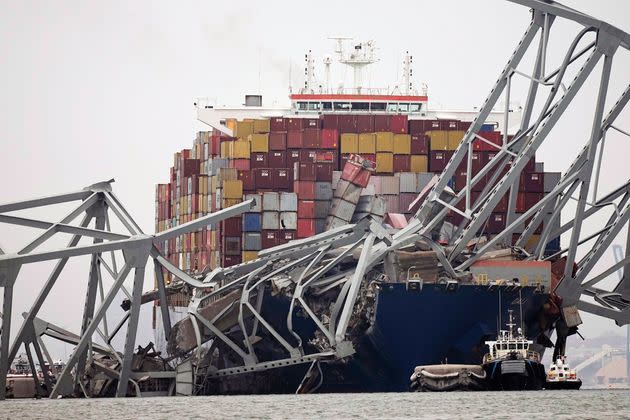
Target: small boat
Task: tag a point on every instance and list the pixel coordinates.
(561, 376)
(441, 378)
(511, 365)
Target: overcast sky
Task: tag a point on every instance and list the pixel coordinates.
(91, 91)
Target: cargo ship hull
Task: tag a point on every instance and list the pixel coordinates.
(408, 328)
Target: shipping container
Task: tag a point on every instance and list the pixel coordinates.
(402, 144)
(367, 143)
(288, 201)
(402, 163)
(419, 144)
(270, 220)
(348, 191)
(305, 190)
(323, 191)
(365, 123)
(381, 123)
(252, 222)
(385, 142)
(438, 140)
(323, 172)
(329, 138)
(311, 138)
(231, 245)
(533, 182)
(455, 137)
(258, 202)
(419, 163)
(347, 124)
(264, 179)
(282, 179)
(342, 209)
(439, 160)
(259, 143)
(277, 124)
(329, 121)
(349, 143)
(288, 220)
(269, 238)
(252, 241)
(271, 201)
(398, 124)
(258, 160)
(407, 181)
(384, 163)
(277, 159)
(294, 139)
(389, 185)
(305, 228)
(278, 141)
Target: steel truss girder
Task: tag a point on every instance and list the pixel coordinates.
(96, 201)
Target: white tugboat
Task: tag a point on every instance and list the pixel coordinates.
(561, 376)
(510, 365)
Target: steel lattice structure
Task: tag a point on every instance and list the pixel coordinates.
(318, 262)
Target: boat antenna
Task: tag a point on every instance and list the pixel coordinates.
(500, 309)
(520, 302)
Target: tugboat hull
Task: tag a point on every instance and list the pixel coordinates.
(515, 375)
(557, 385)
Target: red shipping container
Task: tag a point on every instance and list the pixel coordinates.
(492, 136)
(230, 260)
(417, 127)
(278, 141)
(293, 124)
(269, 238)
(531, 199)
(277, 124)
(286, 236)
(215, 145)
(402, 163)
(325, 156)
(240, 164)
(502, 205)
(277, 159)
(258, 160)
(398, 124)
(306, 209)
(449, 125)
(369, 156)
(305, 228)
(308, 155)
(438, 160)
(304, 171)
(282, 179)
(431, 125)
(419, 144)
(496, 223)
(537, 231)
(347, 124)
(292, 156)
(232, 226)
(249, 182)
(381, 123)
(294, 139)
(263, 178)
(329, 138)
(323, 172)
(464, 125)
(329, 121)
(365, 124)
(310, 138)
(305, 190)
(311, 123)
(533, 182)
(189, 167)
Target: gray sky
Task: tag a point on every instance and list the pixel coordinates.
(92, 90)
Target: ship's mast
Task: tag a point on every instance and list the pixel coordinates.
(309, 73)
(360, 57)
(407, 73)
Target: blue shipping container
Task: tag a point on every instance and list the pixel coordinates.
(487, 127)
(252, 222)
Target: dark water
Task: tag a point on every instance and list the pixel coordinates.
(591, 404)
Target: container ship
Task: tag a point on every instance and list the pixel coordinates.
(297, 163)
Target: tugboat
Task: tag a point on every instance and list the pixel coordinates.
(561, 376)
(510, 365)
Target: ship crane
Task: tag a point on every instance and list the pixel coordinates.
(230, 315)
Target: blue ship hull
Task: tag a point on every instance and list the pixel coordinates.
(408, 328)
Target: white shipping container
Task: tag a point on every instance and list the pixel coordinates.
(288, 220)
(368, 191)
(423, 180)
(270, 220)
(334, 222)
(336, 176)
(258, 198)
(288, 201)
(408, 182)
(271, 202)
(323, 191)
(348, 191)
(390, 185)
(342, 209)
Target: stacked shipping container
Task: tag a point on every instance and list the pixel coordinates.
(291, 167)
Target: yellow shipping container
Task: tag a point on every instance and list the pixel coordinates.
(230, 123)
(532, 242)
(261, 126)
(454, 138)
(249, 255)
(402, 144)
(226, 148)
(384, 162)
(259, 143)
(232, 189)
(385, 142)
(419, 163)
(367, 143)
(349, 143)
(438, 139)
(240, 149)
(227, 174)
(244, 128)
(214, 184)
(229, 202)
